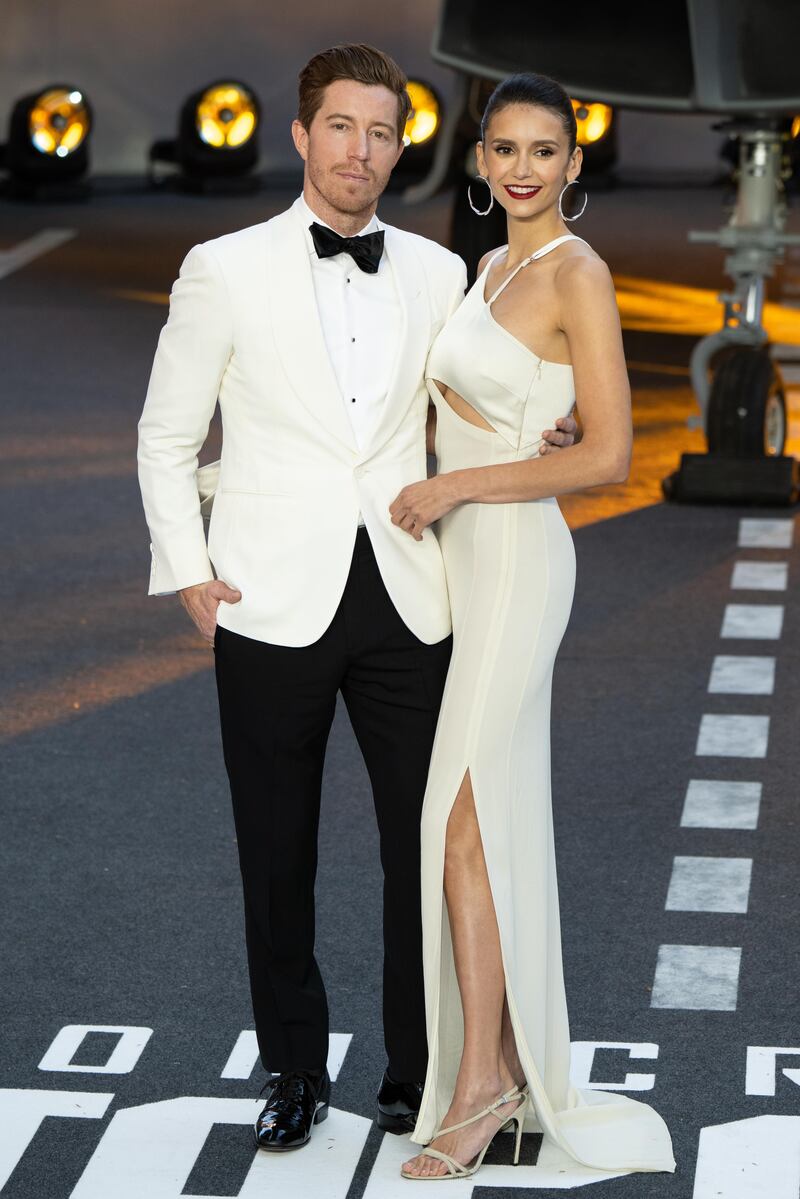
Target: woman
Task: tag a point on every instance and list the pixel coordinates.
(539, 326)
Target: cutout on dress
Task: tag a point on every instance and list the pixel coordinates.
(462, 408)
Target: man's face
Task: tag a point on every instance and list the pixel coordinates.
(352, 144)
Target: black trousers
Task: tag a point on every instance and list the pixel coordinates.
(276, 708)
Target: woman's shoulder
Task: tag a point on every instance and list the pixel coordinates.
(582, 270)
(488, 256)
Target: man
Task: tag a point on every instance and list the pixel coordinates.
(313, 329)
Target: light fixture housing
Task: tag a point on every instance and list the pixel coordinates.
(217, 134)
(48, 137)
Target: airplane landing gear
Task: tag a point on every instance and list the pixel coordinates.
(739, 388)
(746, 414)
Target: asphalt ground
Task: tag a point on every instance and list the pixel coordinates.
(119, 887)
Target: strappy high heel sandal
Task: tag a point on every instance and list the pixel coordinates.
(456, 1169)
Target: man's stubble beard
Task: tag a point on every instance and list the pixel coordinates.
(333, 192)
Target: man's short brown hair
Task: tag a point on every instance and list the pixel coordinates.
(363, 64)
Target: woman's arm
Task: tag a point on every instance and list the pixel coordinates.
(588, 315)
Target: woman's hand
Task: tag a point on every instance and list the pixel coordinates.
(420, 504)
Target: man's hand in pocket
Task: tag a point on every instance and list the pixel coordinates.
(202, 600)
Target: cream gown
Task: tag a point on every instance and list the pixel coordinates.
(510, 573)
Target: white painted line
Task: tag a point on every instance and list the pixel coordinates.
(554, 1171)
(716, 803)
(24, 1112)
(756, 622)
(738, 675)
(244, 1055)
(733, 736)
(761, 1071)
(581, 1062)
(697, 978)
(757, 1158)
(766, 534)
(160, 1143)
(709, 885)
(130, 1042)
(760, 576)
(33, 247)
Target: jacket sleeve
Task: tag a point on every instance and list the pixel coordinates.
(193, 352)
(458, 285)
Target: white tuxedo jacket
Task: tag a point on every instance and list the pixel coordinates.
(243, 327)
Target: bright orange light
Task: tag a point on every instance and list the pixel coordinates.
(656, 306)
(594, 121)
(424, 118)
(226, 116)
(58, 122)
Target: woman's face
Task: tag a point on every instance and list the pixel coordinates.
(526, 159)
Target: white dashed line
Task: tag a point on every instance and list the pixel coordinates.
(733, 736)
(33, 247)
(760, 576)
(706, 977)
(697, 977)
(756, 622)
(766, 534)
(709, 885)
(738, 675)
(717, 803)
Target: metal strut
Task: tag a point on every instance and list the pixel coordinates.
(755, 235)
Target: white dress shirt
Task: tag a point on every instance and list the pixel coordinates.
(360, 317)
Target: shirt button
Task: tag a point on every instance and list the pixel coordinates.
(353, 400)
(352, 339)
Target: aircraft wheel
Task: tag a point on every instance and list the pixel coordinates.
(746, 415)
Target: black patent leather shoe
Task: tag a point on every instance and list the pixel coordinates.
(296, 1101)
(398, 1104)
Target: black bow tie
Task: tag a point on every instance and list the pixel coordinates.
(365, 251)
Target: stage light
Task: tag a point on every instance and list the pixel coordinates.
(425, 116)
(420, 136)
(226, 116)
(594, 121)
(48, 139)
(216, 140)
(58, 122)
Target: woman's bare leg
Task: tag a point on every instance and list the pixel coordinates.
(509, 1045)
(484, 1073)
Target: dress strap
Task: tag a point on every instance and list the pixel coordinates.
(507, 280)
(551, 245)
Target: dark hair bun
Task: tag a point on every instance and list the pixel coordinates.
(538, 90)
